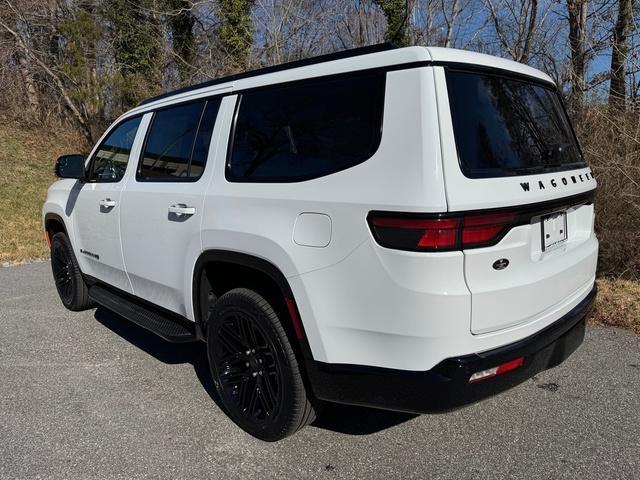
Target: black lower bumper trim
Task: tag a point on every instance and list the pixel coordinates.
(446, 386)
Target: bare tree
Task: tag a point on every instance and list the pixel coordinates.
(619, 52)
(39, 61)
(516, 23)
(577, 10)
(11, 17)
(356, 24)
(450, 19)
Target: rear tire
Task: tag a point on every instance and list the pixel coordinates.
(72, 289)
(254, 368)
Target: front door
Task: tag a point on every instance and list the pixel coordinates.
(95, 206)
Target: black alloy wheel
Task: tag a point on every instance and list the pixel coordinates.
(247, 366)
(71, 287)
(62, 267)
(254, 368)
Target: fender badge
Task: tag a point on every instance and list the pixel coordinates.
(501, 264)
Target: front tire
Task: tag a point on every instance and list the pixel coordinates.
(72, 289)
(254, 368)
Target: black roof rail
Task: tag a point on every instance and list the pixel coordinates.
(353, 52)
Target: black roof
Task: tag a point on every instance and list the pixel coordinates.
(353, 52)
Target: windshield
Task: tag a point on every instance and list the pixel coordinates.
(505, 126)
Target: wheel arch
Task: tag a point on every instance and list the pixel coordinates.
(53, 223)
(247, 263)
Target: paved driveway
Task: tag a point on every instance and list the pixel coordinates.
(90, 395)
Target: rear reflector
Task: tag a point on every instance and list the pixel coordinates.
(440, 232)
(500, 369)
(295, 319)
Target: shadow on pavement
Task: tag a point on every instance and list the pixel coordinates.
(346, 419)
(354, 420)
(170, 353)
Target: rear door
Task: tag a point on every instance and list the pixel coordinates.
(162, 203)
(509, 152)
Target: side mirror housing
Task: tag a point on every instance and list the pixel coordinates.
(70, 166)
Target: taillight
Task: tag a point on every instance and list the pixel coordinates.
(405, 233)
(437, 233)
(480, 230)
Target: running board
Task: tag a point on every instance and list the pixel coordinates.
(166, 326)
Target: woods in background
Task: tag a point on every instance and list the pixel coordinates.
(80, 63)
(89, 60)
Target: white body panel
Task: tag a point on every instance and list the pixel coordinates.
(162, 232)
(360, 303)
(96, 233)
(535, 281)
(95, 209)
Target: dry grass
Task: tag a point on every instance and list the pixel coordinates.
(612, 147)
(618, 303)
(26, 161)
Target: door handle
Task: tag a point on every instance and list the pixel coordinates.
(107, 203)
(182, 209)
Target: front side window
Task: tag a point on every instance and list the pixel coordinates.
(505, 126)
(178, 141)
(109, 162)
(306, 130)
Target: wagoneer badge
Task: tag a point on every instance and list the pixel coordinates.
(501, 264)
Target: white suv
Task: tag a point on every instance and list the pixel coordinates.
(409, 229)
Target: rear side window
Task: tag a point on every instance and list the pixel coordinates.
(178, 142)
(112, 156)
(505, 126)
(306, 130)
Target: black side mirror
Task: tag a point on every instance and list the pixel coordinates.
(70, 166)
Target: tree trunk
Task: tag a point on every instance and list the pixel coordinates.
(30, 85)
(236, 30)
(181, 21)
(526, 49)
(450, 21)
(77, 114)
(577, 10)
(396, 13)
(619, 51)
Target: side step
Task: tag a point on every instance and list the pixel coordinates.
(166, 326)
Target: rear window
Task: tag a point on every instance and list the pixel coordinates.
(178, 142)
(306, 130)
(505, 126)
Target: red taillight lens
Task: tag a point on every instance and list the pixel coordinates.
(406, 233)
(478, 230)
(436, 234)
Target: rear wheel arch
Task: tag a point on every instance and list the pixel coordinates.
(221, 271)
(237, 270)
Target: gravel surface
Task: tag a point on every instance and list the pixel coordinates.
(89, 395)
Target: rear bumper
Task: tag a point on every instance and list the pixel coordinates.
(446, 386)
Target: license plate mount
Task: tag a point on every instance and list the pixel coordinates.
(554, 230)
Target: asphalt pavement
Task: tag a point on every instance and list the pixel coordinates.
(91, 396)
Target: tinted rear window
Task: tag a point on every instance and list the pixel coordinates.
(306, 130)
(505, 126)
(178, 141)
